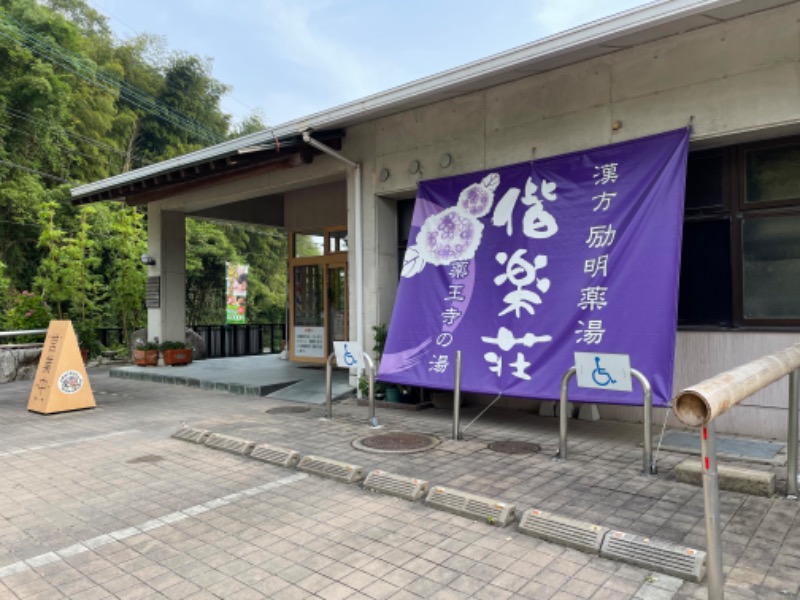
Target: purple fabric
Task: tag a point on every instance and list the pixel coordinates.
(521, 266)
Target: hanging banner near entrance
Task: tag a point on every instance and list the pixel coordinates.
(236, 293)
(520, 267)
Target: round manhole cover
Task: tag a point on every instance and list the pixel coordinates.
(515, 447)
(396, 442)
(285, 410)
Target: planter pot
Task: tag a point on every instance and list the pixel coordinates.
(85, 355)
(392, 394)
(175, 358)
(145, 358)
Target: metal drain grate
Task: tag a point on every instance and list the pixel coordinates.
(489, 510)
(275, 455)
(229, 443)
(147, 459)
(664, 557)
(407, 488)
(189, 434)
(569, 532)
(287, 410)
(510, 447)
(332, 469)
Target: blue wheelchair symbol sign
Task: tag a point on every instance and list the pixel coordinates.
(349, 359)
(600, 376)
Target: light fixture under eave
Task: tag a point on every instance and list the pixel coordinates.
(147, 260)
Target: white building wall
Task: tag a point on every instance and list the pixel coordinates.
(740, 80)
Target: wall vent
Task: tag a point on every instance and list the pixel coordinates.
(489, 510)
(664, 557)
(275, 455)
(407, 488)
(332, 469)
(568, 532)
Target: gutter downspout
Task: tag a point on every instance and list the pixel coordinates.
(359, 246)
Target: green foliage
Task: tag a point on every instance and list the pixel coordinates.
(380, 333)
(173, 346)
(28, 311)
(147, 345)
(78, 106)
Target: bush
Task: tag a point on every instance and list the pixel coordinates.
(150, 345)
(173, 346)
(28, 311)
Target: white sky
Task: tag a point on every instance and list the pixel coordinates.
(290, 58)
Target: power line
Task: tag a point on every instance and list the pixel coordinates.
(88, 71)
(34, 171)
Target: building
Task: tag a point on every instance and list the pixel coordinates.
(731, 68)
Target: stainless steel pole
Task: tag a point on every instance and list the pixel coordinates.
(708, 449)
(328, 388)
(649, 466)
(457, 399)
(791, 435)
(373, 420)
(562, 414)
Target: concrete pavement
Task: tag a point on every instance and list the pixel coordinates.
(104, 504)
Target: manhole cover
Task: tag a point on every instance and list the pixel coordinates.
(147, 458)
(396, 442)
(515, 447)
(285, 410)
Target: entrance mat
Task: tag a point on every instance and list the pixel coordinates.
(727, 447)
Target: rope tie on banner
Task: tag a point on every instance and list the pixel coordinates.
(690, 126)
(480, 414)
(661, 437)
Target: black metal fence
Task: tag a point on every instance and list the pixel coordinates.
(224, 340)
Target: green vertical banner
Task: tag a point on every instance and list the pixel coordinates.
(236, 293)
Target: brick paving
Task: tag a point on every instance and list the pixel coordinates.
(104, 504)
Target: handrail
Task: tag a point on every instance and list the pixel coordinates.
(23, 332)
(699, 406)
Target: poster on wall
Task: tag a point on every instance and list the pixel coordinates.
(309, 342)
(236, 293)
(520, 267)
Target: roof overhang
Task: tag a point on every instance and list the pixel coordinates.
(628, 29)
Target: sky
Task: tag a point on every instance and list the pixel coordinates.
(285, 59)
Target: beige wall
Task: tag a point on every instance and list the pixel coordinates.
(312, 208)
(740, 80)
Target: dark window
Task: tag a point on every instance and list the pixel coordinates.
(740, 264)
(405, 213)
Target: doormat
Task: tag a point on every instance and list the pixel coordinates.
(733, 448)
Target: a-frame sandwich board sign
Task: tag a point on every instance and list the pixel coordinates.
(61, 383)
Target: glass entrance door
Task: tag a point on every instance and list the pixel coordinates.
(337, 305)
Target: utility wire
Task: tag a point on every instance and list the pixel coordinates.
(87, 70)
(34, 171)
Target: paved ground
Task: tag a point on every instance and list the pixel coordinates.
(104, 504)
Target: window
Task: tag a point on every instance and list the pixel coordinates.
(405, 213)
(741, 237)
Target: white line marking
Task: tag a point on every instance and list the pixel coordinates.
(121, 534)
(67, 443)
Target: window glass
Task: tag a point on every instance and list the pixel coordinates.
(705, 289)
(772, 174)
(704, 175)
(337, 241)
(309, 309)
(771, 267)
(307, 245)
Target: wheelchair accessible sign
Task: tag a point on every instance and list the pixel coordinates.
(348, 354)
(603, 371)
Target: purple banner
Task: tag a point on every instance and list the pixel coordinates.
(520, 267)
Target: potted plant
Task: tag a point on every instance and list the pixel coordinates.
(176, 353)
(145, 354)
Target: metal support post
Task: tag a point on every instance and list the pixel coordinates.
(328, 387)
(791, 435)
(457, 399)
(649, 467)
(373, 420)
(562, 414)
(708, 448)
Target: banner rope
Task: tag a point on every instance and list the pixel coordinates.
(661, 437)
(480, 414)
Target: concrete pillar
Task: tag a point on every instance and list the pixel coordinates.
(166, 243)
